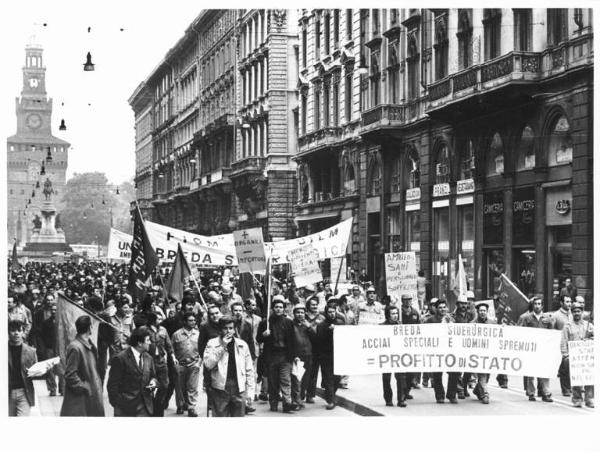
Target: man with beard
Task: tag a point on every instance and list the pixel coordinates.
(277, 335)
(577, 330)
(392, 317)
(323, 352)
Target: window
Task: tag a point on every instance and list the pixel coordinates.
(522, 20)
(394, 73)
(396, 176)
(578, 18)
(442, 167)
(495, 164)
(317, 108)
(349, 180)
(348, 94)
(376, 23)
(393, 17)
(317, 37)
(467, 167)
(336, 28)
(374, 178)
(326, 32)
(441, 46)
(560, 149)
(336, 100)
(557, 25)
(375, 78)
(413, 67)
(492, 21)
(414, 170)
(304, 46)
(326, 92)
(304, 107)
(349, 24)
(526, 150)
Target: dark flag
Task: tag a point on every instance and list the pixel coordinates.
(512, 303)
(66, 313)
(181, 271)
(143, 258)
(14, 261)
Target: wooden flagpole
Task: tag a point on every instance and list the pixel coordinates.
(337, 280)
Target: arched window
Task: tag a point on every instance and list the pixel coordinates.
(413, 67)
(560, 149)
(396, 175)
(467, 163)
(374, 178)
(349, 180)
(442, 166)
(526, 150)
(465, 38)
(492, 21)
(413, 169)
(441, 46)
(495, 156)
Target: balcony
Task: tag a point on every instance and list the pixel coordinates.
(384, 119)
(319, 139)
(248, 164)
(215, 177)
(515, 69)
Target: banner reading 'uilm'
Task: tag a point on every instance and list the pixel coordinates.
(453, 347)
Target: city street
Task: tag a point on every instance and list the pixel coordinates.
(364, 397)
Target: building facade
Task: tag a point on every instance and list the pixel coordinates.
(472, 139)
(33, 153)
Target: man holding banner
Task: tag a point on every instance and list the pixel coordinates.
(392, 317)
(577, 330)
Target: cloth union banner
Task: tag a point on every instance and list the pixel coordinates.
(452, 347)
(119, 245)
(581, 362)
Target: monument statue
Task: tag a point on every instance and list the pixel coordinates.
(37, 222)
(48, 189)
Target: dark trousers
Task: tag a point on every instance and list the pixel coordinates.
(463, 384)
(410, 378)
(438, 385)
(229, 402)
(140, 410)
(162, 375)
(563, 375)
(172, 374)
(330, 381)
(311, 384)
(280, 372)
(299, 387)
(401, 384)
(502, 379)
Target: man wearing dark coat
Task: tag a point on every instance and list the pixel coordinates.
(132, 377)
(83, 385)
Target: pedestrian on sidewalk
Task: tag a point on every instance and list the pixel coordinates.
(538, 319)
(229, 362)
(21, 395)
(481, 388)
(577, 330)
(392, 317)
(83, 385)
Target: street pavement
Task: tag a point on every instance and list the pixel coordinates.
(50, 406)
(365, 396)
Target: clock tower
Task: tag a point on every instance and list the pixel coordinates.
(27, 150)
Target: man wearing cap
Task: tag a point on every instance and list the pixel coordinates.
(442, 316)
(462, 314)
(409, 316)
(481, 389)
(577, 330)
(354, 301)
(392, 317)
(561, 317)
(371, 306)
(303, 337)
(430, 312)
(537, 319)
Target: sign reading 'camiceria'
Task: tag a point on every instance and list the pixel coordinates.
(451, 347)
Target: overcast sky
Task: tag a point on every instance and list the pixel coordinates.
(101, 133)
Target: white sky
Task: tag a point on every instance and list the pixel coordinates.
(101, 134)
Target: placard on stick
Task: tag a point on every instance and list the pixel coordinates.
(581, 362)
(401, 276)
(305, 265)
(250, 250)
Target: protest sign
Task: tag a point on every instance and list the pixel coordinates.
(250, 250)
(370, 318)
(581, 362)
(305, 266)
(338, 267)
(453, 347)
(119, 245)
(401, 276)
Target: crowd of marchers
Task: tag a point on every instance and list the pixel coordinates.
(214, 344)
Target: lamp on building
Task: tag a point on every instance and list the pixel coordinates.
(33, 193)
(193, 159)
(245, 125)
(88, 66)
(362, 67)
(62, 125)
(43, 170)
(33, 148)
(49, 155)
(37, 184)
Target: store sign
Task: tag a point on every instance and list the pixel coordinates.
(493, 212)
(441, 190)
(563, 206)
(413, 194)
(465, 186)
(523, 216)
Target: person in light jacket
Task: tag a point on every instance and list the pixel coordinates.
(83, 385)
(231, 371)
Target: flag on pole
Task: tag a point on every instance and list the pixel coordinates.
(181, 271)
(14, 261)
(512, 303)
(143, 258)
(460, 282)
(66, 313)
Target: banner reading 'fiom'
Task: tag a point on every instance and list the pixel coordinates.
(453, 347)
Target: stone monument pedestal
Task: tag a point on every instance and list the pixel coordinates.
(47, 239)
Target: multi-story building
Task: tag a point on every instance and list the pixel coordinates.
(452, 132)
(33, 153)
(263, 172)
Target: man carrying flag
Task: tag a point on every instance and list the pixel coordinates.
(14, 260)
(178, 276)
(143, 258)
(512, 303)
